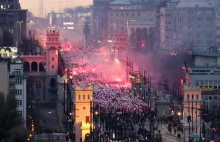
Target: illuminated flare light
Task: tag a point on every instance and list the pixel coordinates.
(74, 73)
(118, 79)
(93, 69)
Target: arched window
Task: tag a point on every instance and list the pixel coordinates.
(26, 66)
(34, 66)
(38, 84)
(41, 67)
(53, 82)
(187, 96)
(197, 96)
(84, 97)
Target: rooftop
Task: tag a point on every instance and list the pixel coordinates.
(210, 52)
(194, 3)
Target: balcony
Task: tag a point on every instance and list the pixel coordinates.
(35, 73)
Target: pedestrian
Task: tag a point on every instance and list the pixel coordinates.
(175, 131)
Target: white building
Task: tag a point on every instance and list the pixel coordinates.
(18, 83)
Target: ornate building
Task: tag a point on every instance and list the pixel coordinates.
(41, 70)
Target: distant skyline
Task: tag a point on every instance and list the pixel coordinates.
(52, 5)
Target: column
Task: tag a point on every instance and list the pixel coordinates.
(29, 66)
(38, 67)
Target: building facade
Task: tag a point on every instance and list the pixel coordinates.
(14, 19)
(41, 70)
(18, 86)
(121, 12)
(4, 87)
(83, 120)
(190, 24)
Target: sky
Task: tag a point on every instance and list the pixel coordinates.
(52, 5)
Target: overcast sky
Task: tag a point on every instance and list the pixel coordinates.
(52, 5)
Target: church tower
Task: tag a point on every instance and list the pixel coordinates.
(53, 38)
(83, 99)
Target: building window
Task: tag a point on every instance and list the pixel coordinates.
(18, 81)
(87, 119)
(192, 97)
(52, 58)
(187, 96)
(84, 108)
(197, 96)
(52, 66)
(79, 97)
(38, 84)
(190, 19)
(18, 92)
(88, 97)
(190, 12)
(199, 41)
(19, 113)
(17, 72)
(210, 97)
(19, 102)
(84, 97)
(199, 19)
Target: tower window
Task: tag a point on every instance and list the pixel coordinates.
(52, 58)
(192, 97)
(84, 97)
(79, 97)
(87, 119)
(52, 66)
(88, 97)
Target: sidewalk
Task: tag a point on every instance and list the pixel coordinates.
(167, 137)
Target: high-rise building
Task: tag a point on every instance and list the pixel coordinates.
(13, 19)
(190, 24)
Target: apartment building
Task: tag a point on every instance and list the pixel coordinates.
(190, 24)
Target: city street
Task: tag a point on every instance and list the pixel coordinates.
(166, 137)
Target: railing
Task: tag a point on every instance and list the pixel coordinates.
(34, 73)
(33, 55)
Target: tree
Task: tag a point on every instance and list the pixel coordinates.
(30, 45)
(86, 31)
(9, 119)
